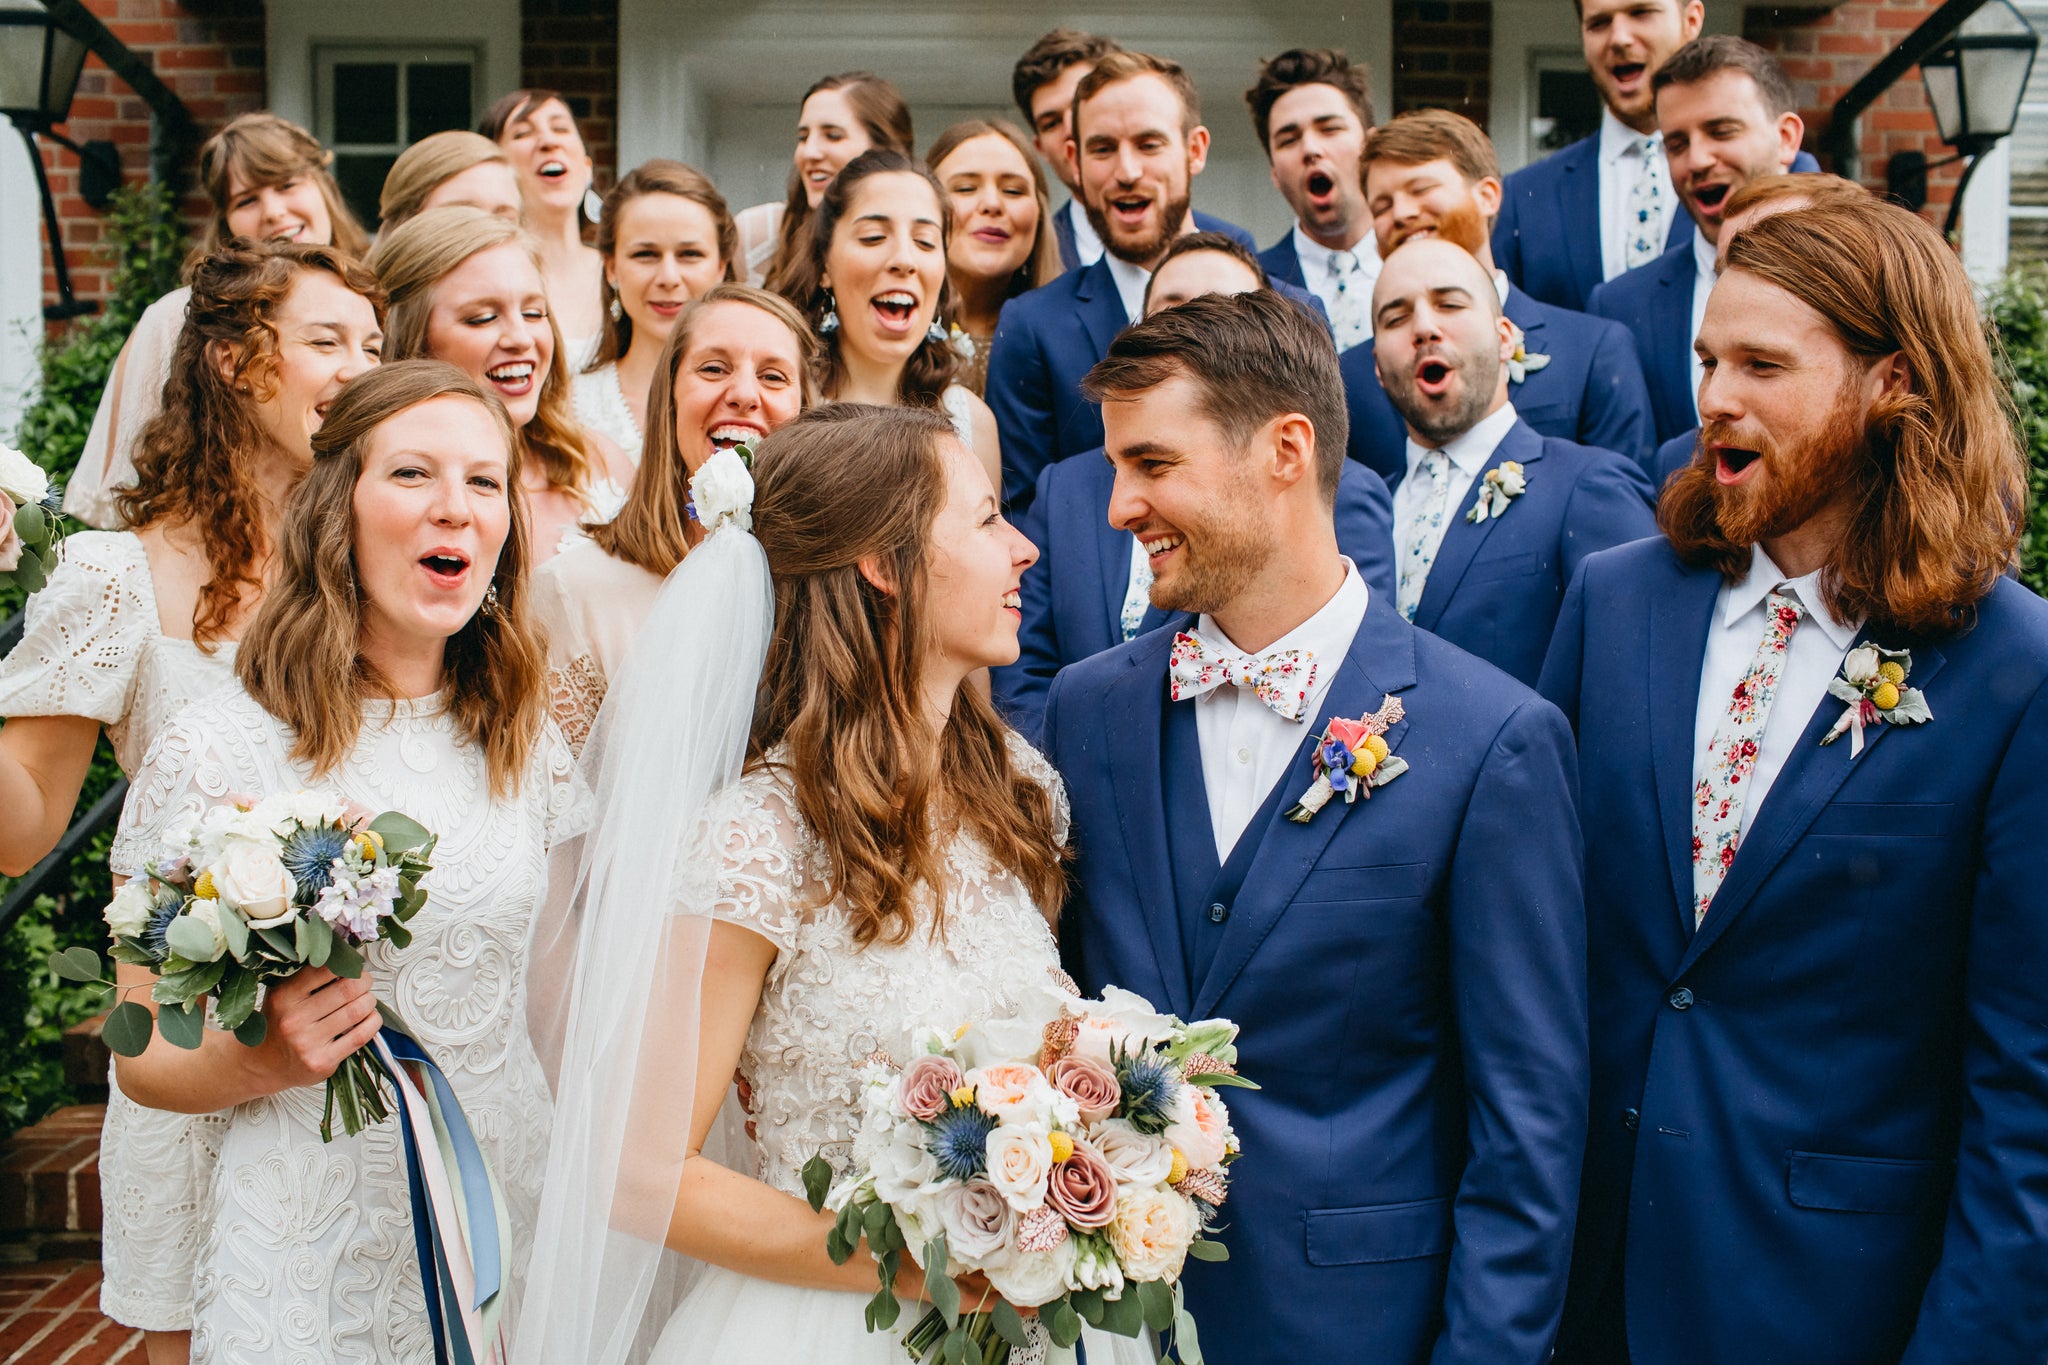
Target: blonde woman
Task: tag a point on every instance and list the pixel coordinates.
(736, 365)
(1002, 242)
(557, 185)
(268, 180)
(666, 237)
(466, 287)
(454, 167)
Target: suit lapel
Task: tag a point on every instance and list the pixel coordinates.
(1679, 622)
(1674, 334)
(1682, 229)
(1134, 708)
(1101, 309)
(1113, 550)
(1063, 229)
(1381, 661)
(1578, 208)
(1463, 539)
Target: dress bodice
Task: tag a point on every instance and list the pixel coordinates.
(601, 406)
(592, 605)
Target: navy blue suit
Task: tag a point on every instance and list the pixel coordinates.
(1654, 302)
(1408, 974)
(1282, 262)
(1591, 392)
(1820, 1122)
(1674, 455)
(1070, 257)
(1496, 585)
(1547, 236)
(1074, 595)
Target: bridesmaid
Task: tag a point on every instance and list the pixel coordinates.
(134, 624)
(466, 287)
(557, 185)
(394, 664)
(841, 117)
(666, 237)
(454, 167)
(268, 180)
(1002, 243)
(874, 287)
(737, 365)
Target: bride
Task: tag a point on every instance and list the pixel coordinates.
(784, 881)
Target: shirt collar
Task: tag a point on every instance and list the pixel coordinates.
(1310, 251)
(1471, 451)
(1130, 283)
(1617, 139)
(1703, 256)
(1328, 632)
(1500, 285)
(1764, 578)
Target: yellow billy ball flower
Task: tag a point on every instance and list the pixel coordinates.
(1363, 762)
(203, 888)
(1886, 696)
(962, 1097)
(1376, 745)
(367, 845)
(1062, 1147)
(1891, 671)
(1180, 1168)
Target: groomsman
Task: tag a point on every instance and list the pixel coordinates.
(1491, 519)
(1090, 589)
(1813, 736)
(1729, 118)
(1407, 966)
(1434, 173)
(1042, 83)
(1136, 147)
(1312, 110)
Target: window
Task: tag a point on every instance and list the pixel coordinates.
(2027, 191)
(373, 103)
(1567, 107)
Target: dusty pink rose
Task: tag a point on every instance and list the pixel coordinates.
(928, 1084)
(1083, 1189)
(1090, 1083)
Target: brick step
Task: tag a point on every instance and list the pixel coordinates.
(50, 1188)
(86, 1059)
(50, 1315)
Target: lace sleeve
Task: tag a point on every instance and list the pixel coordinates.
(85, 633)
(1039, 769)
(184, 773)
(570, 804)
(576, 680)
(760, 229)
(757, 838)
(108, 460)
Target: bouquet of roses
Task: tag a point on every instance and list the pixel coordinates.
(28, 521)
(252, 892)
(1073, 1156)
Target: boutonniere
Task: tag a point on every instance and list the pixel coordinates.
(1524, 362)
(1873, 682)
(1502, 485)
(1352, 757)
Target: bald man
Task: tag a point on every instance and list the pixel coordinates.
(1491, 519)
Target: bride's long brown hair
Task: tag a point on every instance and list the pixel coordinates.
(839, 710)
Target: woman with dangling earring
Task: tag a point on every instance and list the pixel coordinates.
(874, 287)
(537, 130)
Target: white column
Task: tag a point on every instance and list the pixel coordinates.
(21, 279)
(1984, 224)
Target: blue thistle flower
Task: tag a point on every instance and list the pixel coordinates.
(161, 913)
(1150, 1086)
(309, 853)
(958, 1141)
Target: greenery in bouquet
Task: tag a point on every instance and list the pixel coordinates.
(30, 522)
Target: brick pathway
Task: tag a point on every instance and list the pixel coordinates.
(49, 1315)
(49, 1235)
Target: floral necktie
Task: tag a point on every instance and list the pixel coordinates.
(1426, 536)
(1717, 798)
(1350, 300)
(1646, 206)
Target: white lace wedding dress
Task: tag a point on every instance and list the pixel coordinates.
(827, 1007)
(94, 646)
(308, 1252)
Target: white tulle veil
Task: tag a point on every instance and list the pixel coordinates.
(618, 961)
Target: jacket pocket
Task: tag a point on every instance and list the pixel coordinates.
(1507, 566)
(1863, 1184)
(1379, 1232)
(1384, 882)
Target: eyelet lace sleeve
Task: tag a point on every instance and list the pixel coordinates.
(85, 633)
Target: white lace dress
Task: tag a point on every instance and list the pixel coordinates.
(107, 463)
(94, 646)
(308, 1251)
(826, 1007)
(601, 406)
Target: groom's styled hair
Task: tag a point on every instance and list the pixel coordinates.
(1255, 356)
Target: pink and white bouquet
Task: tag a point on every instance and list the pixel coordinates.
(30, 528)
(1073, 1156)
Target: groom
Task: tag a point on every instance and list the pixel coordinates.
(1407, 967)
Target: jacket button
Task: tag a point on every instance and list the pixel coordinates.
(1631, 1119)
(1681, 999)
(1218, 913)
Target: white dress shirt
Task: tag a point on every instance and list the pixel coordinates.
(1087, 246)
(1813, 657)
(1469, 454)
(1622, 149)
(1319, 270)
(1702, 285)
(1130, 284)
(1246, 745)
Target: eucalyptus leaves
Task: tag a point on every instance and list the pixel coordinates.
(29, 531)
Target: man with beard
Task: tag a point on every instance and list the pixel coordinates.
(1312, 110)
(1138, 143)
(1729, 118)
(1405, 955)
(1434, 173)
(1813, 738)
(1491, 519)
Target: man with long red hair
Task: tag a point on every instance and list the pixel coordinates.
(1813, 739)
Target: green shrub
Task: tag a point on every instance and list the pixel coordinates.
(2019, 310)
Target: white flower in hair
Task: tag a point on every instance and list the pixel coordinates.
(722, 490)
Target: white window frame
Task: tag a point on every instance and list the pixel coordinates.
(298, 29)
(326, 56)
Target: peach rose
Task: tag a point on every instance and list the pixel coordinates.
(1090, 1083)
(1151, 1233)
(928, 1084)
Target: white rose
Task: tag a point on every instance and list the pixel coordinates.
(904, 1173)
(206, 914)
(978, 1222)
(1134, 1158)
(251, 877)
(1197, 1127)
(722, 489)
(1152, 1232)
(21, 478)
(128, 913)
(1039, 1277)
(1860, 667)
(1019, 1161)
(1121, 1019)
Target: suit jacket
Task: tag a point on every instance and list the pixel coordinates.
(1820, 1122)
(1654, 302)
(1282, 262)
(1496, 586)
(1073, 596)
(1407, 973)
(1591, 392)
(1547, 236)
(1070, 258)
(1674, 455)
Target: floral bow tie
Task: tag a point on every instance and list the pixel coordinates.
(1282, 678)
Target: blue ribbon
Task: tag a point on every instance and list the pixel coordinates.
(469, 1163)
(422, 1225)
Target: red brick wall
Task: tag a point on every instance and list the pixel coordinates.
(1443, 56)
(209, 52)
(573, 46)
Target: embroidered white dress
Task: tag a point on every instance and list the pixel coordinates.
(107, 463)
(591, 604)
(308, 1252)
(827, 1005)
(94, 646)
(601, 406)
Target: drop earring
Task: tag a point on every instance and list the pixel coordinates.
(830, 322)
(936, 332)
(490, 606)
(593, 204)
(616, 310)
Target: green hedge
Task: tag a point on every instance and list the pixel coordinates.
(2018, 308)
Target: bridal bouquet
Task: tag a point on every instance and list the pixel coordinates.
(252, 892)
(1074, 1156)
(28, 521)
